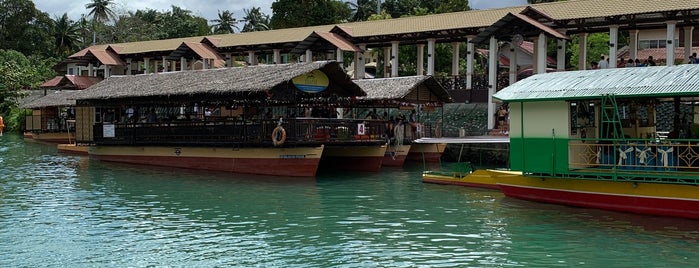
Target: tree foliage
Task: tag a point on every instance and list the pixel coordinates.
(24, 28)
(255, 20)
(226, 23)
(300, 13)
(18, 73)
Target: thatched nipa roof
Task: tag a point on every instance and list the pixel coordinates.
(53, 99)
(220, 82)
(412, 89)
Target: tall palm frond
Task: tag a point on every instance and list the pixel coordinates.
(225, 23)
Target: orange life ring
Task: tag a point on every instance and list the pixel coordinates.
(278, 136)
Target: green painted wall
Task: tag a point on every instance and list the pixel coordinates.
(539, 136)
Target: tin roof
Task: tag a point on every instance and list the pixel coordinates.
(658, 81)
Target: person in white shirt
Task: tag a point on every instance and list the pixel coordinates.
(603, 64)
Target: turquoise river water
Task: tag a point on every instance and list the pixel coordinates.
(60, 210)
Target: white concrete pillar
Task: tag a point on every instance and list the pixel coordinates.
(229, 59)
(670, 49)
(688, 41)
(613, 45)
(146, 65)
(309, 55)
(277, 55)
(430, 55)
(251, 58)
(107, 72)
(386, 61)
(173, 65)
(394, 58)
(535, 59)
(513, 63)
(469, 62)
(90, 70)
(561, 55)
(164, 65)
(492, 79)
(420, 59)
(359, 63)
(633, 44)
(582, 53)
(339, 57)
(541, 54)
(128, 66)
(183, 64)
(455, 58)
(155, 66)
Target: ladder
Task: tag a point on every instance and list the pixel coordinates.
(610, 123)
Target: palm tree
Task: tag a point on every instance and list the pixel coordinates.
(362, 9)
(66, 34)
(225, 23)
(100, 12)
(255, 20)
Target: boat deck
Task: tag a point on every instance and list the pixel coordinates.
(466, 140)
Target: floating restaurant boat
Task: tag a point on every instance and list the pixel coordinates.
(406, 93)
(52, 119)
(242, 120)
(598, 139)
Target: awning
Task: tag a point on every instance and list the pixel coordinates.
(512, 24)
(325, 41)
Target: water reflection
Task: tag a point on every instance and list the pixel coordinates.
(62, 210)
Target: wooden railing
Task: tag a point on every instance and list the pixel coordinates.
(230, 132)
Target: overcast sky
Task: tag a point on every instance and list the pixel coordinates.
(204, 8)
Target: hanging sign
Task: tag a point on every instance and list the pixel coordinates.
(360, 129)
(313, 82)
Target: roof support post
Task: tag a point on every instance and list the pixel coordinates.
(541, 54)
(670, 48)
(582, 54)
(455, 58)
(155, 66)
(277, 55)
(229, 60)
(420, 59)
(359, 63)
(251, 58)
(613, 44)
(146, 65)
(164, 64)
(633, 44)
(386, 61)
(492, 79)
(183, 64)
(560, 55)
(394, 58)
(430, 56)
(513, 63)
(469, 63)
(90, 70)
(339, 57)
(107, 71)
(309, 55)
(688, 41)
(173, 65)
(128, 66)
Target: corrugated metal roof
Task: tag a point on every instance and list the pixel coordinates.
(658, 81)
